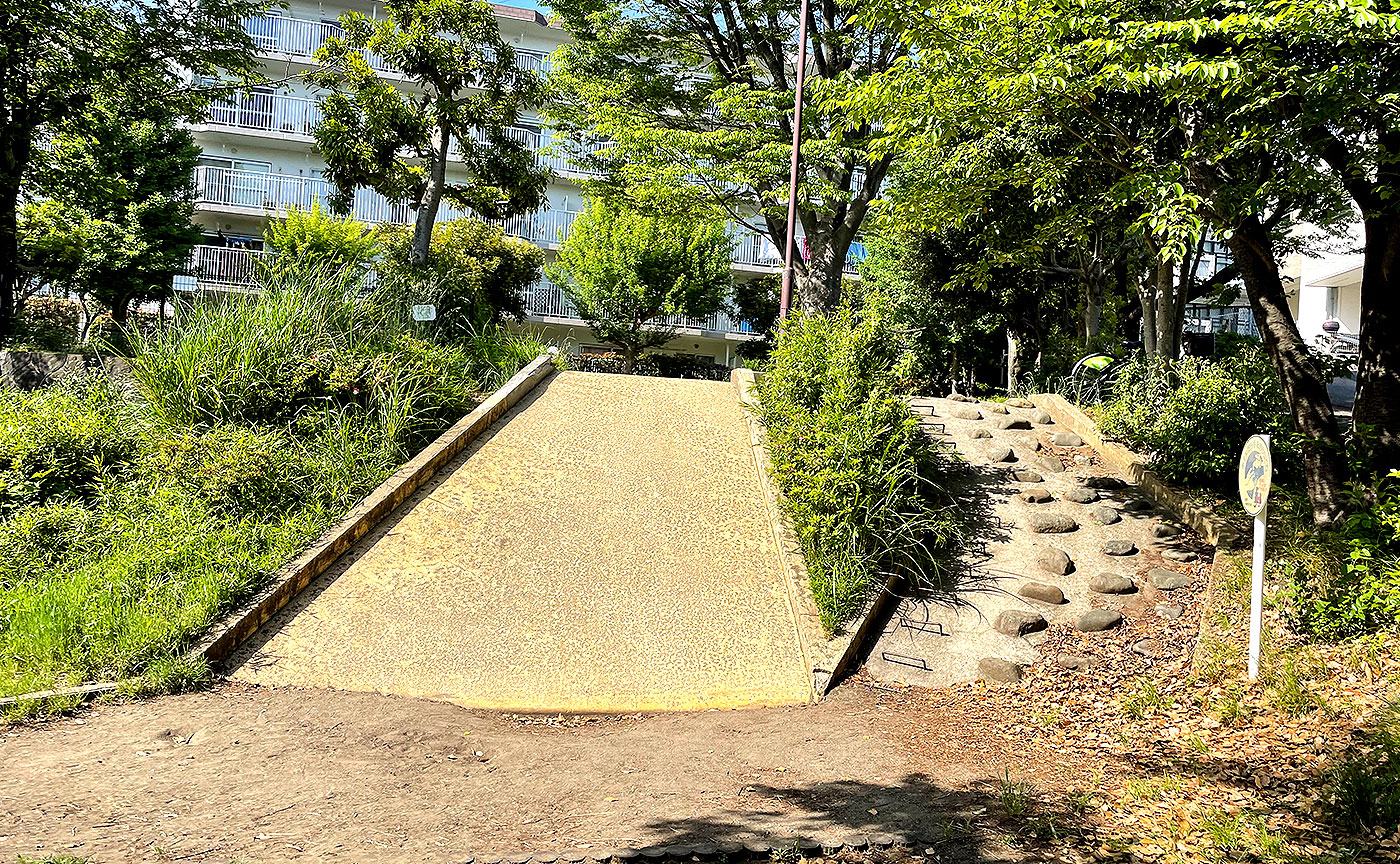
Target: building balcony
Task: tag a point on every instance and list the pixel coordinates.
(232, 270)
(278, 113)
(301, 38)
(256, 193)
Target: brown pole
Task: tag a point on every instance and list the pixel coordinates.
(796, 150)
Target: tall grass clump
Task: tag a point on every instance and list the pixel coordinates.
(860, 480)
(131, 522)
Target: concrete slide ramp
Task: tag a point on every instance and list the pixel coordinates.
(604, 547)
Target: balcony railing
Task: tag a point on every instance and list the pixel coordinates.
(268, 112)
(275, 193)
(221, 268)
(300, 37)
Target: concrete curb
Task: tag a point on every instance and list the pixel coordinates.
(375, 507)
(1202, 520)
(747, 849)
(827, 656)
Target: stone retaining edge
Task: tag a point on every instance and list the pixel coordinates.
(750, 849)
(371, 510)
(827, 656)
(1202, 520)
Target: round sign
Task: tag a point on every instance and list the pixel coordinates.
(1256, 473)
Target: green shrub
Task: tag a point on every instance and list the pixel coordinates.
(237, 470)
(859, 478)
(56, 442)
(1191, 417)
(312, 241)
(1344, 583)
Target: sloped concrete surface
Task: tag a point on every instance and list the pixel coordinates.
(604, 547)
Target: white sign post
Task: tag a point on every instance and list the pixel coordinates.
(1256, 474)
(425, 312)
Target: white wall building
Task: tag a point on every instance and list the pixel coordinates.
(258, 158)
(1326, 286)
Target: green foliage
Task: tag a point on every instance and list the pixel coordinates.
(687, 105)
(50, 324)
(860, 480)
(465, 93)
(131, 525)
(1344, 583)
(55, 443)
(99, 71)
(627, 271)
(1362, 791)
(1191, 417)
(313, 240)
(474, 274)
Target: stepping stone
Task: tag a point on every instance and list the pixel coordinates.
(1042, 418)
(1054, 466)
(1036, 496)
(1137, 505)
(1011, 423)
(1051, 523)
(1149, 648)
(1024, 476)
(1074, 662)
(999, 670)
(1185, 556)
(1111, 583)
(1020, 403)
(963, 412)
(1042, 592)
(1163, 530)
(1066, 439)
(1082, 496)
(1105, 515)
(1097, 620)
(1120, 547)
(1108, 484)
(1055, 561)
(979, 433)
(1019, 622)
(1024, 443)
(1168, 580)
(995, 408)
(958, 397)
(999, 453)
(1169, 611)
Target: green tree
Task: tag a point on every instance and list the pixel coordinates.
(466, 92)
(312, 239)
(1183, 102)
(693, 100)
(60, 56)
(474, 274)
(627, 271)
(111, 208)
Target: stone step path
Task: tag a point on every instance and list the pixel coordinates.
(604, 547)
(1067, 544)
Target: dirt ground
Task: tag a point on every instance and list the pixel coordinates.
(267, 774)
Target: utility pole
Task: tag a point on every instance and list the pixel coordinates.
(786, 303)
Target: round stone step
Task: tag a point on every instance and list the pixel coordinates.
(999, 670)
(1169, 580)
(1105, 515)
(1051, 523)
(1169, 611)
(1082, 496)
(994, 408)
(1120, 547)
(1054, 466)
(1011, 423)
(979, 433)
(1076, 662)
(963, 412)
(1019, 622)
(1024, 476)
(1041, 418)
(1111, 583)
(998, 453)
(1066, 439)
(1020, 403)
(1097, 620)
(1107, 484)
(1162, 530)
(1055, 561)
(1036, 496)
(1042, 592)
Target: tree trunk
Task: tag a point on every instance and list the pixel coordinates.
(629, 359)
(1168, 337)
(1147, 294)
(1324, 453)
(426, 216)
(9, 258)
(819, 286)
(1013, 360)
(1093, 299)
(1377, 409)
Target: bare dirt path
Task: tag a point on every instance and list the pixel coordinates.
(273, 774)
(605, 546)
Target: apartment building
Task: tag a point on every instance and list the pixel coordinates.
(258, 159)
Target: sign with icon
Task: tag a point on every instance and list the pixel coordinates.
(1256, 475)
